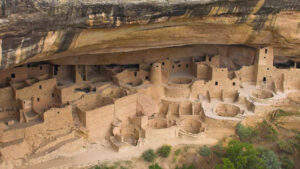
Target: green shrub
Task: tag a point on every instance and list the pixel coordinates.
(218, 149)
(177, 152)
(102, 166)
(226, 164)
(154, 166)
(204, 151)
(242, 155)
(297, 137)
(286, 162)
(95, 167)
(297, 142)
(287, 146)
(246, 134)
(270, 158)
(164, 151)
(184, 166)
(282, 113)
(266, 131)
(149, 155)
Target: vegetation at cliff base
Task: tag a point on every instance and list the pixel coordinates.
(259, 147)
(154, 166)
(262, 132)
(149, 155)
(164, 151)
(205, 151)
(241, 155)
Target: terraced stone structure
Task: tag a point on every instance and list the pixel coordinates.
(127, 75)
(44, 102)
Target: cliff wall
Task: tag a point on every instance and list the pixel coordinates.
(39, 30)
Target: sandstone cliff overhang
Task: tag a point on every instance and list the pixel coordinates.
(39, 30)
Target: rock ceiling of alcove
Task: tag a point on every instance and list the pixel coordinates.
(45, 30)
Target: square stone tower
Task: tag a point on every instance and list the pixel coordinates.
(264, 65)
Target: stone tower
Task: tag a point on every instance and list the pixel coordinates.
(156, 74)
(264, 65)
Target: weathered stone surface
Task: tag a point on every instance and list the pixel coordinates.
(36, 30)
(146, 105)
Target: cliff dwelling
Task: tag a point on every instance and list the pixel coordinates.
(45, 105)
(86, 82)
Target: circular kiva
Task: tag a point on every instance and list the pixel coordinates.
(227, 110)
(192, 126)
(262, 94)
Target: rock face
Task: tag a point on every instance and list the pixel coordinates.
(39, 30)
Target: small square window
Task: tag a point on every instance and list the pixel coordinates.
(12, 75)
(216, 83)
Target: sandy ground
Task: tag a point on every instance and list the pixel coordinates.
(101, 152)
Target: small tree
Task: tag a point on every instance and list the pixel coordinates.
(218, 149)
(164, 151)
(176, 154)
(184, 166)
(246, 134)
(102, 166)
(270, 158)
(149, 155)
(286, 162)
(154, 166)
(287, 146)
(227, 164)
(205, 151)
(266, 131)
(243, 155)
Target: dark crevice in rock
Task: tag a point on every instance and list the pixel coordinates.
(66, 41)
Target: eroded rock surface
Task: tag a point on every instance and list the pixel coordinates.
(38, 30)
